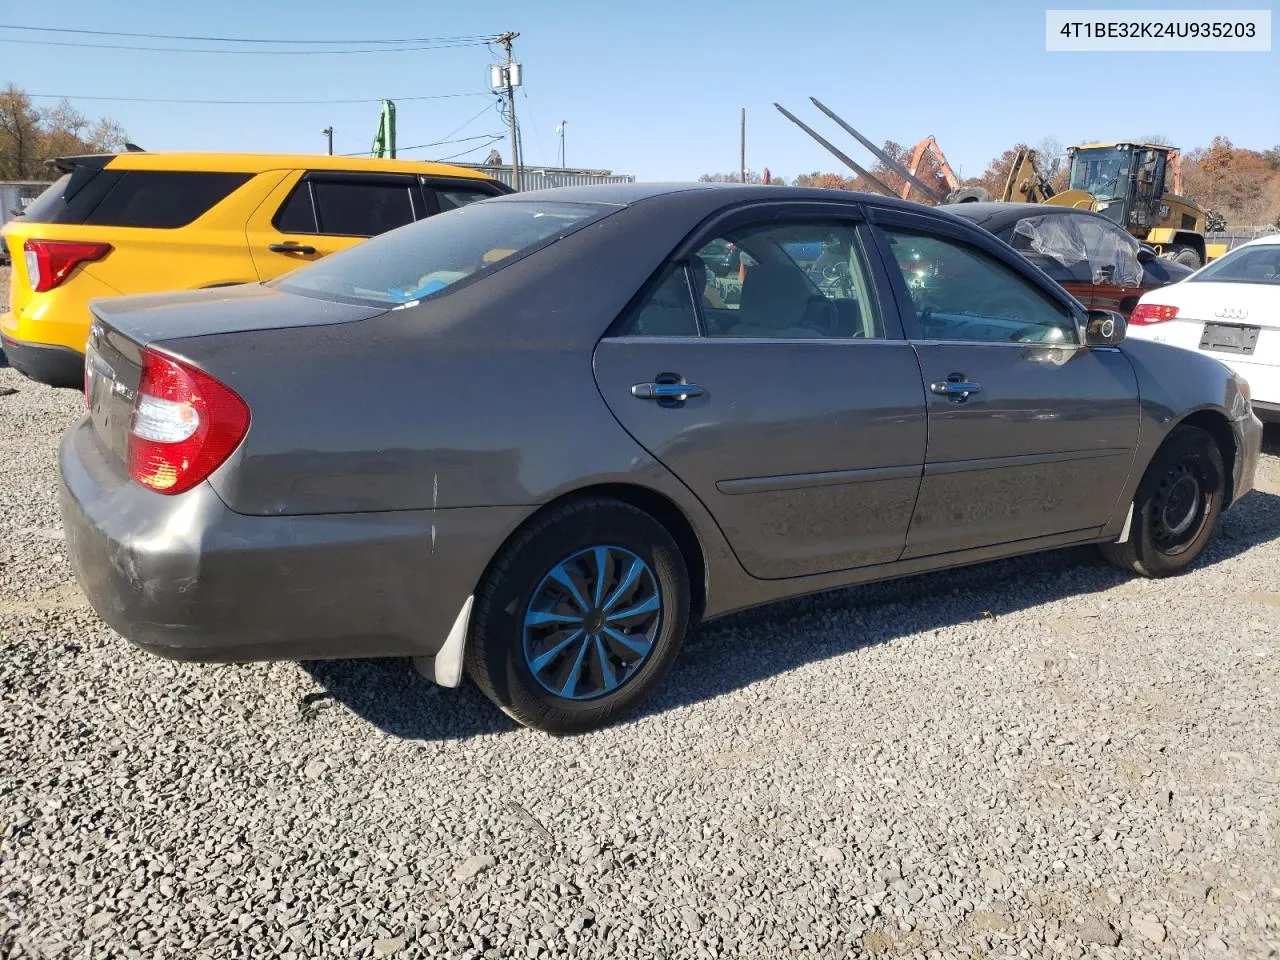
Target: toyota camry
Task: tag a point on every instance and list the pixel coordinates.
(534, 439)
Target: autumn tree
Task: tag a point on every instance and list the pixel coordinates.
(30, 137)
(752, 177)
(825, 181)
(1243, 185)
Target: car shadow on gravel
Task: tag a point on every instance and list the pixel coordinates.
(740, 649)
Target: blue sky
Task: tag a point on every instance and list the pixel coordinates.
(651, 89)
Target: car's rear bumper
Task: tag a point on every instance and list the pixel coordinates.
(44, 363)
(186, 578)
(1248, 437)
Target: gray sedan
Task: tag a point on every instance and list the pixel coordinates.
(536, 438)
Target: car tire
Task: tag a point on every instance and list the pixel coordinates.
(1187, 256)
(1176, 507)
(522, 651)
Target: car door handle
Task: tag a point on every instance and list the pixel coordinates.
(955, 388)
(291, 247)
(665, 391)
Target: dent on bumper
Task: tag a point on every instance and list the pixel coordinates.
(1248, 434)
(186, 578)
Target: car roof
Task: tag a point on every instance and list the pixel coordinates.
(999, 214)
(713, 195)
(261, 162)
(1271, 238)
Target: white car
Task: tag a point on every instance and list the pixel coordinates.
(1229, 309)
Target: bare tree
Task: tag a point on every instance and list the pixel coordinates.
(29, 137)
(19, 135)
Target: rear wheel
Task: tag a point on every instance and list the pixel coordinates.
(580, 617)
(1187, 256)
(1176, 508)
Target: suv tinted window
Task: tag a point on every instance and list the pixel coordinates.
(358, 209)
(297, 214)
(160, 199)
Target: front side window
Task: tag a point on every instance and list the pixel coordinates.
(789, 281)
(1054, 244)
(1077, 249)
(1112, 253)
(961, 293)
(428, 257)
(358, 209)
(1260, 264)
(1100, 171)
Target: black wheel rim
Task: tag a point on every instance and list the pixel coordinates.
(1180, 507)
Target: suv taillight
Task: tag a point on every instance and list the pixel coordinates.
(49, 262)
(185, 424)
(1145, 314)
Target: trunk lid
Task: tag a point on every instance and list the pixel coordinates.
(123, 326)
(1251, 303)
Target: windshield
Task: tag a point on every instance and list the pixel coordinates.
(1103, 172)
(1260, 264)
(416, 261)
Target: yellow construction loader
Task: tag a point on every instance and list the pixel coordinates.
(1138, 185)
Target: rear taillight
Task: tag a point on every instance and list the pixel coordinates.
(185, 424)
(1145, 314)
(49, 262)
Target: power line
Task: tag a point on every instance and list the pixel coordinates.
(454, 156)
(464, 125)
(277, 53)
(477, 38)
(434, 143)
(66, 96)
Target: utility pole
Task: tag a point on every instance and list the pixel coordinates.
(560, 130)
(510, 82)
(742, 147)
(328, 132)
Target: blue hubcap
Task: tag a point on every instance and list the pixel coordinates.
(592, 622)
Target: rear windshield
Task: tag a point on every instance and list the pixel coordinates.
(158, 199)
(424, 258)
(1259, 264)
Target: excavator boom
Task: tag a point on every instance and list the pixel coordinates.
(883, 157)
(874, 181)
(924, 146)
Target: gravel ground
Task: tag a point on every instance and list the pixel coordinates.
(1033, 758)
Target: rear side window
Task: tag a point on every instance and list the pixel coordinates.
(1260, 264)
(361, 209)
(162, 199)
(159, 199)
(453, 197)
(433, 254)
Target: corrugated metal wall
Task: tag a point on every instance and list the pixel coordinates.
(538, 178)
(16, 194)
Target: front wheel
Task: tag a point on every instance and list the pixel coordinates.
(1176, 508)
(1187, 256)
(580, 616)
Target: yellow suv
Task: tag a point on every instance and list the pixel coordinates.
(141, 222)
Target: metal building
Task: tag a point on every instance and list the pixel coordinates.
(537, 178)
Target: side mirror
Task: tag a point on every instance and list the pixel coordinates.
(1146, 254)
(1105, 328)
